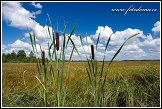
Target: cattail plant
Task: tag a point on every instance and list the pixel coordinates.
(96, 78)
(92, 51)
(43, 57)
(42, 78)
(57, 41)
(57, 77)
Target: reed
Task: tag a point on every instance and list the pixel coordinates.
(57, 55)
(96, 78)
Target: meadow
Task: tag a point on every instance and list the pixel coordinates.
(129, 84)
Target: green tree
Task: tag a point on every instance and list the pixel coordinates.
(4, 59)
(13, 56)
(21, 55)
(31, 55)
(8, 57)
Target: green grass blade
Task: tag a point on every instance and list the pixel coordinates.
(71, 55)
(50, 57)
(86, 38)
(133, 36)
(49, 19)
(81, 40)
(35, 42)
(71, 33)
(108, 42)
(74, 46)
(121, 48)
(70, 58)
(117, 53)
(89, 76)
(49, 31)
(31, 40)
(98, 40)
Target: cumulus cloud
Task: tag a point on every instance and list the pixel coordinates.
(19, 44)
(36, 13)
(105, 32)
(17, 16)
(156, 27)
(117, 37)
(88, 40)
(38, 5)
(16, 46)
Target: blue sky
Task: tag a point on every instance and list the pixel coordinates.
(92, 17)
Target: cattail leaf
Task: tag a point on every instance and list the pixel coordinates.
(108, 42)
(81, 40)
(64, 40)
(89, 67)
(49, 19)
(54, 46)
(98, 40)
(117, 52)
(71, 55)
(74, 46)
(99, 83)
(31, 40)
(82, 46)
(71, 33)
(89, 76)
(50, 57)
(86, 38)
(35, 42)
(133, 36)
(49, 31)
(41, 83)
(102, 68)
(121, 48)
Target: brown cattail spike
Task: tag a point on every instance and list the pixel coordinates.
(57, 41)
(43, 58)
(92, 51)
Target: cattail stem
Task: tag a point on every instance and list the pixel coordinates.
(43, 57)
(57, 41)
(92, 51)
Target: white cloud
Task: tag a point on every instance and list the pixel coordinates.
(16, 46)
(3, 47)
(37, 12)
(117, 37)
(87, 40)
(105, 32)
(17, 16)
(19, 44)
(38, 5)
(120, 36)
(156, 27)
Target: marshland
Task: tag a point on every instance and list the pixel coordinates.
(130, 84)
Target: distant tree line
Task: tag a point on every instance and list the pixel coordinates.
(19, 57)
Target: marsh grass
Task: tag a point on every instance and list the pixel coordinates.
(124, 77)
(96, 78)
(49, 79)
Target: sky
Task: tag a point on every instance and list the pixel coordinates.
(121, 19)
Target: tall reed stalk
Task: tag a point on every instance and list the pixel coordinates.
(55, 54)
(97, 79)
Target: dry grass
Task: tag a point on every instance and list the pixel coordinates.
(77, 86)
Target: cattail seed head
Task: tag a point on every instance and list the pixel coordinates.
(57, 41)
(43, 57)
(92, 51)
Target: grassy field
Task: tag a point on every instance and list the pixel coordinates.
(130, 84)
